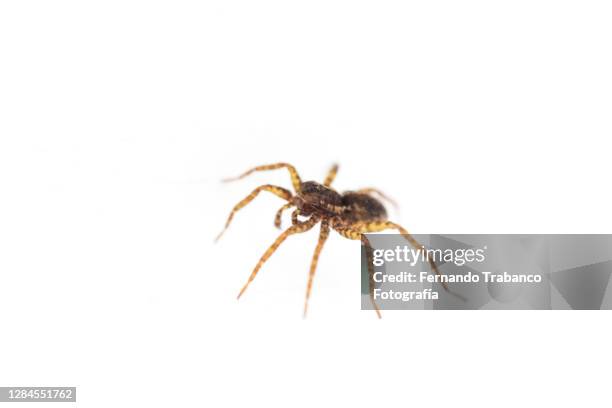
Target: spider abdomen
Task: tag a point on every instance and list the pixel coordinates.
(363, 207)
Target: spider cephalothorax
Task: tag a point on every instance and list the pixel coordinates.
(351, 214)
(315, 198)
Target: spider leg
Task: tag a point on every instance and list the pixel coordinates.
(315, 259)
(373, 191)
(350, 233)
(294, 229)
(279, 214)
(279, 191)
(331, 175)
(295, 178)
(294, 217)
(378, 226)
(371, 283)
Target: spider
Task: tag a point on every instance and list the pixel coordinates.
(352, 214)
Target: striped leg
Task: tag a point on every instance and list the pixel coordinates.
(279, 191)
(378, 226)
(295, 178)
(331, 175)
(350, 233)
(295, 229)
(279, 214)
(294, 217)
(315, 259)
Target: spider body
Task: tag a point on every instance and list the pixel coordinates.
(348, 207)
(351, 214)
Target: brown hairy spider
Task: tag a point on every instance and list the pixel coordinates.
(351, 214)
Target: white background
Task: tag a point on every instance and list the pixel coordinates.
(118, 118)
